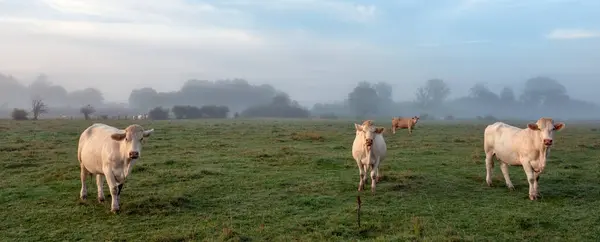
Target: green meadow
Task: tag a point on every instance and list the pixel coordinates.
(294, 180)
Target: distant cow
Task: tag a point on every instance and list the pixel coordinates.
(529, 148)
(404, 123)
(369, 150)
(110, 152)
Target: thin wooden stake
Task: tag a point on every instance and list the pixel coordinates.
(358, 210)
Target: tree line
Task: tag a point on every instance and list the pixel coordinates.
(541, 96)
(238, 98)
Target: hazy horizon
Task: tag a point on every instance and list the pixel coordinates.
(316, 51)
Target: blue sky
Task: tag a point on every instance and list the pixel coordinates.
(314, 50)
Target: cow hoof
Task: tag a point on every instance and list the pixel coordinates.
(100, 199)
(532, 197)
(114, 211)
(83, 198)
(511, 188)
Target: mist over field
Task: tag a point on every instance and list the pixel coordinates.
(329, 59)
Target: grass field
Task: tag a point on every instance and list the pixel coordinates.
(280, 180)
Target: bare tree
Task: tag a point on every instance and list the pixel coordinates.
(87, 110)
(38, 107)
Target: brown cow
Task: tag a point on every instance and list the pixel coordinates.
(404, 123)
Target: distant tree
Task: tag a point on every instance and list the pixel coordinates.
(158, 113)
(507, 95)
(543, 90)
(282, 99)
(280, 107)
(434, 93)
(363, 99)
(92, 96)
(38, 107)
(19, 114)
(384, 92)
(12, 91)
(337, 108)
(87, 110)
(480, 93)
(53, 95)
(214, 111)
(236, 94)
(180, 112)
(144, 98)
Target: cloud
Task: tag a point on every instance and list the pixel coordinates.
(339, 9)
(117, 45)
(573, 34)
(466, 42)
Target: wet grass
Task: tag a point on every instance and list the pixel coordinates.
(276, 180)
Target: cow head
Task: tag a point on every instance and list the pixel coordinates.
(131, 140)
(546, 127)
(367, 131)
(415, 119)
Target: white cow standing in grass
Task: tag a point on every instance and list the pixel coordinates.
(369, 150)
(529, 148)
(110, 152)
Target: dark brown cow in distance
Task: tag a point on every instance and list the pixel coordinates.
(404, 123)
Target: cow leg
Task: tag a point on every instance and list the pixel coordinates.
(504, 168)
(114, 190)
(366, 169)
(379, 175)
(535, 184)
(409, 131)
(489, 167)
(100, 184)
(394, 129)
(362, 173)
(531, 180)
(84, 173)
(374, 176)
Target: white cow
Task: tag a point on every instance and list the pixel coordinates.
(110, 152)
(369, 150)
(529, 148)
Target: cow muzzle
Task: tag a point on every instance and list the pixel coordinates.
(134, 155)
(548, 142)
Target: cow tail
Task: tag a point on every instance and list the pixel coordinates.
(79, 153)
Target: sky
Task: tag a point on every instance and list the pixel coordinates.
(315, 50)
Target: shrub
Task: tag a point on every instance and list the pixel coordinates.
(192, 112)
(19, 114)
(158, 113)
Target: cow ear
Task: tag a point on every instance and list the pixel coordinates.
(358, 127)
(379, 130)
(559, 126)
(118, 136)
(148, 132)
(533, 126)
